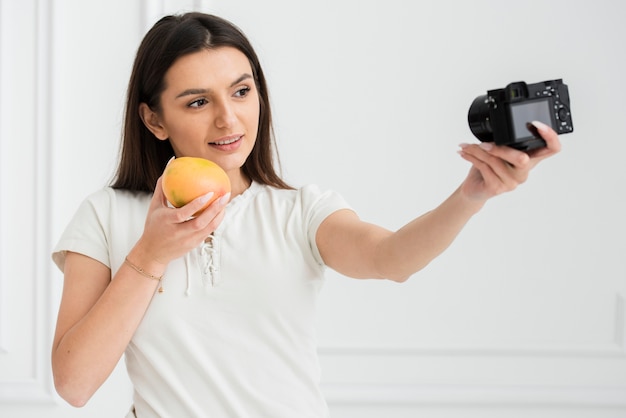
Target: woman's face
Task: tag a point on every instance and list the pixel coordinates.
(209, 108)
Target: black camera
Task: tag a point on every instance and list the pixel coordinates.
(503, 115)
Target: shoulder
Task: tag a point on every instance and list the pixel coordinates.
(323, 199)
(108, 195)
(309, 204)
(105, 218)
(304, 198)
(107, 210)
(308, 193)
(108, 198)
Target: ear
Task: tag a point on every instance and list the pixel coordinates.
(152, 121)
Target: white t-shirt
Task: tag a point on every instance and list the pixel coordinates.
(232, 335)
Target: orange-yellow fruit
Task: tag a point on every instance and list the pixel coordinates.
(186, 178)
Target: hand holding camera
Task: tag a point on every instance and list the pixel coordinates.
(518, 127)
(504, 116)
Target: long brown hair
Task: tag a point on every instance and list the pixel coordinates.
(143, 157)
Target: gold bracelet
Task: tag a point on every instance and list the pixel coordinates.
(142, 271)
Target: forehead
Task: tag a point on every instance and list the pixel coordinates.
(207, 67)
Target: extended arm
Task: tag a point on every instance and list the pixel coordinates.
(362, 250)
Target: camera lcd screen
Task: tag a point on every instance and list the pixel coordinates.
(526, 112)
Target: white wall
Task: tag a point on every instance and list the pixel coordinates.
(524, 315)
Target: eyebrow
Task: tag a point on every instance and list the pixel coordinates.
(193, 91)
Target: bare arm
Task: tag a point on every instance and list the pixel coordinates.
(97, 319)
(362, 250)
(98, 316)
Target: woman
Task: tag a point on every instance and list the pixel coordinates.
(215, 314)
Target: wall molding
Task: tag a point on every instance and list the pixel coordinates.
(31, 391)
(616, 348)
(3, 304)
(608, 351)
(574, 395)
(152, 10)
(38, 386)
(43, 198)
(480, 395)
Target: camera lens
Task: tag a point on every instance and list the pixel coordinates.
(478, 119)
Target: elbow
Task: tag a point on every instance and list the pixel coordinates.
(76, 381)
(77, 403)
(72, 395)
(394, 275)
(70, 388)
(399, 278)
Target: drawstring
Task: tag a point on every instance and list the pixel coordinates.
(207, 250)
(208, 266)
(188, 271)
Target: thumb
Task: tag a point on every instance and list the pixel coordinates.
(158, 198)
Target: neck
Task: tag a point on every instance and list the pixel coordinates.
(239, 184)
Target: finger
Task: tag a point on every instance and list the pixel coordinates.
(508, 164)
(207, 221)
(215, 206)
(513, 157)
(496, 165)
(491, 179)
(215, 221)
(158, 198)
(194, 207)
(553, 144)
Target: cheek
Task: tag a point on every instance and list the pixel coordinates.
(184, 136)
(252, 118)
(182, 126)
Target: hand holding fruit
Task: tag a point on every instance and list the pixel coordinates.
(199, 191)
(186, 178)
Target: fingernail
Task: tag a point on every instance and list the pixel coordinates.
(224, 199)
(463, 145)
(487, 146)
(207, 197)
(539, 125)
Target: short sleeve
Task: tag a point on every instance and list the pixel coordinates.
(318, 205)
(87, 231)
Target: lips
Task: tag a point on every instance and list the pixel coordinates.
(227, 140)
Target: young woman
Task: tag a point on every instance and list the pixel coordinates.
(215, 314)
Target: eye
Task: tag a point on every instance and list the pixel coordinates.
(198, 103)
(243, 92)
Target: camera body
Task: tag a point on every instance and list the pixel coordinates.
(504, 115)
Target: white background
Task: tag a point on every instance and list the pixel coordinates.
(524, 315)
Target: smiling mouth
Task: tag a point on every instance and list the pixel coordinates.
(227, 141)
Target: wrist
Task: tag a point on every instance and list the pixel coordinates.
(470, 203)
(144, 260)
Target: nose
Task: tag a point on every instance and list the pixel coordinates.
(225, 115)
